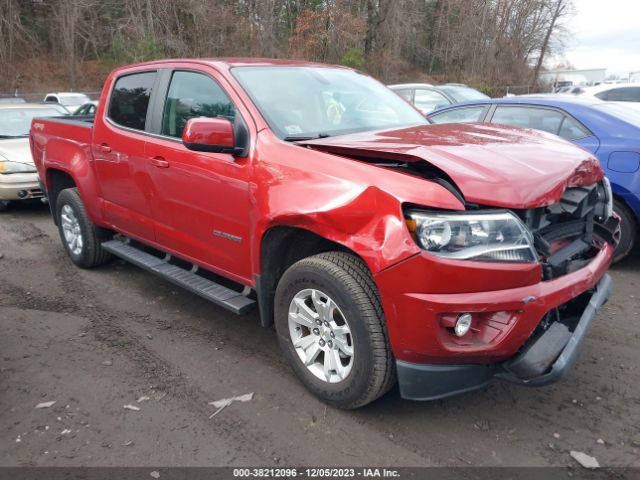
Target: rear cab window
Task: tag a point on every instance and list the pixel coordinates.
(130, 99)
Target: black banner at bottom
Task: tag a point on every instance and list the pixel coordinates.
(215, 473)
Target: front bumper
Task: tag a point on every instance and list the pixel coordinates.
(20, 186)
(543, 360)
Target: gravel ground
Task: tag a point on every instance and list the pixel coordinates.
(94, 341)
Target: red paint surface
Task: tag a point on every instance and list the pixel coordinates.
(156, 190)
(208, 131)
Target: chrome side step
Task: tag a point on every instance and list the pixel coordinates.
(212, 291)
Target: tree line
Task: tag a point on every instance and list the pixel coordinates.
(73, 43)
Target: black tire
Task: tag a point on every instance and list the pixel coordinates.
(628, 231)
(91, 253)
(347, 280)
(4, 204)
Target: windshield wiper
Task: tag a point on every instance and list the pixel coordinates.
(301, 138)
(14, 136)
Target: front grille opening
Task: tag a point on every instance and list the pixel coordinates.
(564, 232)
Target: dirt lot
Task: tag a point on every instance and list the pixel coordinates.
(96, 340)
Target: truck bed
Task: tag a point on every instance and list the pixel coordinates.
(75, 132)
(76, 129)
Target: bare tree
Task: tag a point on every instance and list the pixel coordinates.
(482, 42)
(557, 10)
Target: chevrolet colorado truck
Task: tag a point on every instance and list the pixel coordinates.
(384, 249)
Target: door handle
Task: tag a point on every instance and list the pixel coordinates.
(103, 147)
(159, 162)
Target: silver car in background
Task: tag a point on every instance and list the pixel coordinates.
(18, 175)
(426, 97)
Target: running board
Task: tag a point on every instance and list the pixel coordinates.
(212, 291)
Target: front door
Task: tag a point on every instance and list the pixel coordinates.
(119, 155)
(199, 200)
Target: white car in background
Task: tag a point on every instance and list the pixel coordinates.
(70, 100)
(18, 175)
(612, 92)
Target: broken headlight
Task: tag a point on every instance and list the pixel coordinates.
(496, 236)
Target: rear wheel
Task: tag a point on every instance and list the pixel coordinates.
(628, 230)
(81, 239)
(332, 330)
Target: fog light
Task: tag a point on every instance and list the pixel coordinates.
(463, 324)
(22, 193)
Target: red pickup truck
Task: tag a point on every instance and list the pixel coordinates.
(384, 249)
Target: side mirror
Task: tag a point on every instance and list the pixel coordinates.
(209, 135)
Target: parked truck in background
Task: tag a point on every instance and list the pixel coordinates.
(382, 248)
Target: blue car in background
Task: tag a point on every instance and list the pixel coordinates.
(610, 131)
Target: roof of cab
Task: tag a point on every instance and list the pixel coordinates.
(230, 62)
(267, 62)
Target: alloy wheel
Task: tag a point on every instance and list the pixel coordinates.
(321, 335)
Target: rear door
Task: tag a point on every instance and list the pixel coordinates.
(199, 200)
(119, 154)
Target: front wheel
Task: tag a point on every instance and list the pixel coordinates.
(81, 238)
(332, 330)
(4, 204)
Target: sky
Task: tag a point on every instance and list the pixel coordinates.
(605, 34)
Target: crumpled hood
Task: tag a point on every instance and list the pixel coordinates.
(16, 150)
(498, 166)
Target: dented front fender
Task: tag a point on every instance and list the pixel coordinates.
(354, 204)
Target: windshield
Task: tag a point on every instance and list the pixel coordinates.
(310, 102)
(463, 94)
(16, 122)
(74, 100)
(626, 113)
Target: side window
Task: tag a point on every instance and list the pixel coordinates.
(428, 100)
(572, 130)
(627, 94)
(529, 117)
(459, 115)
(603, 95)
(130, 99)
(405, 93)
(51, 99)
(193, 95)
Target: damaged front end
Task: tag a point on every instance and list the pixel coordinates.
(568, 234)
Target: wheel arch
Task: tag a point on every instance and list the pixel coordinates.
(59, 177)
(280, 247)
(56, 181)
